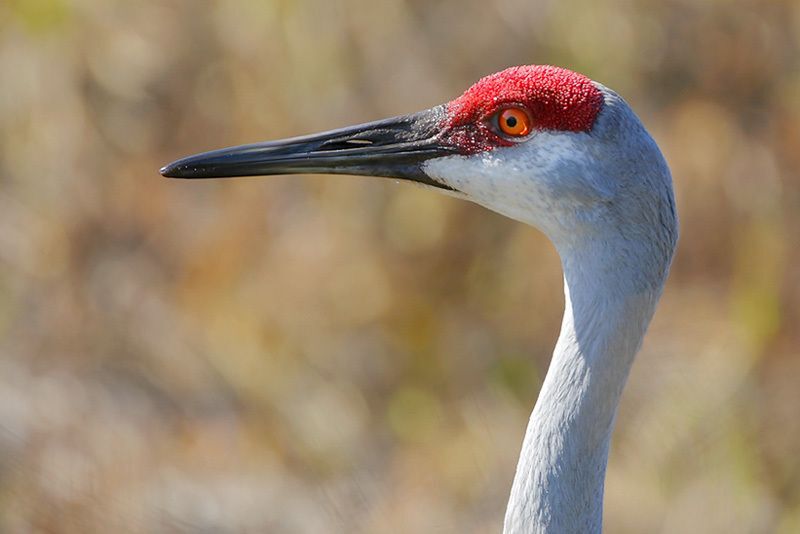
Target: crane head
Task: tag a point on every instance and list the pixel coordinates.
(540, 144)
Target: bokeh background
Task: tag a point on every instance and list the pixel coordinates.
(318, 354)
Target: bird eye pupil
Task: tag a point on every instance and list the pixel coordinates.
(511, 121)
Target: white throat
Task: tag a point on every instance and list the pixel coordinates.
(558, 487)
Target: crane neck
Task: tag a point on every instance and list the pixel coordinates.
(558, 487)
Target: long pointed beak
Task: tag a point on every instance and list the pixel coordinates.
(391, 148)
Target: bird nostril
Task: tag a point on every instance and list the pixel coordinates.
(342, 144)
(359, 142)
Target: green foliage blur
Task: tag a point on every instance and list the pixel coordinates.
(339, 354)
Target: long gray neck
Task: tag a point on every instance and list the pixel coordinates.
(558, 487)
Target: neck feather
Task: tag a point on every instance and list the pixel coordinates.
(559, 481)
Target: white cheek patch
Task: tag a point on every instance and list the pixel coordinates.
(542, 181)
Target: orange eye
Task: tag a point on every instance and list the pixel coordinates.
(514, 122)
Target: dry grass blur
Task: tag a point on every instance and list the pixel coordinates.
(316, 354)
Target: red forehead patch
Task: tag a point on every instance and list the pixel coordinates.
(558, 99)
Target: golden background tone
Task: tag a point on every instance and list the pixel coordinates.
(339, 354)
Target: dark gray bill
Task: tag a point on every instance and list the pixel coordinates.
(391, 148)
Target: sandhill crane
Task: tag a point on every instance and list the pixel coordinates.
(551, 148)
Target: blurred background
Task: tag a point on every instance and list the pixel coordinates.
(339, 354)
